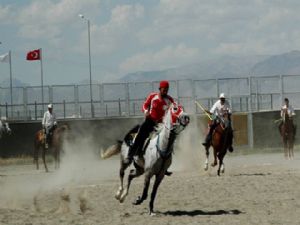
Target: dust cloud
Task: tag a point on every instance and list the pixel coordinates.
(80, 166)
(189, 153)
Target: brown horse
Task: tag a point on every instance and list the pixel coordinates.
(287, 132)
(55, 145)
(221, 141)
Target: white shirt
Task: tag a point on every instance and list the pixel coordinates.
(218, 109)
(290, 111)
(49, 119)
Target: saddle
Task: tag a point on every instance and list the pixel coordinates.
(131, 136)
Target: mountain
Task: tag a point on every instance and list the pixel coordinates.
(284, 64)
(229, 67)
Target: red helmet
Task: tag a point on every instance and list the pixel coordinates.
(164, 84)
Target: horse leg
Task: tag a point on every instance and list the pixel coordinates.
(156, 184)
(56, 157)
(133, 173)
(292, 147)
(36, 156)
(215, 158)
(44, 158)
(222, 168)
(285, 148)
(140, 199)
(207, 158)
(123, 167)
(220, 156)
(291, 152)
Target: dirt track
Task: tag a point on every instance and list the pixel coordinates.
(255, 189)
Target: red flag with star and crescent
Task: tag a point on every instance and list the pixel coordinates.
(34, 55)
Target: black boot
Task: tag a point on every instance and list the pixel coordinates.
(207, 140)
(130, 155)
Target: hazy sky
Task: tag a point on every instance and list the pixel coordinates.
(129, 35)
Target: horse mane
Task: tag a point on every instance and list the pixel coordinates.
(166, 128)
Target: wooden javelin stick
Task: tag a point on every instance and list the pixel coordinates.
(201, 107)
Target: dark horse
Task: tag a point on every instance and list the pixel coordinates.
(221, 141)
(55, 145)
(287, 131)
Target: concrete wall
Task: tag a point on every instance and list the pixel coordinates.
(104, 132)
(265, 130)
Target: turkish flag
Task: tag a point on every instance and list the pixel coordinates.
(34, 55)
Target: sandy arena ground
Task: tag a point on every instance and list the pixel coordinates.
(255, 189)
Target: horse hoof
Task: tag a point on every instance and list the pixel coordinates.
(138, 201)
(152, 214)
(117, 197)
(121, 200)
(168, 173)
(206, 167)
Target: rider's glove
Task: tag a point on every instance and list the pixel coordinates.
(146, 112)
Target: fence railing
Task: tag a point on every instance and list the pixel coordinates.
(125, 99)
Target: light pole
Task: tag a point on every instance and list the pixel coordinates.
(90, 65)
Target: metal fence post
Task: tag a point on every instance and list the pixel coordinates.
(281, 89)
(6, 110)
(35, 110)
(127, 98)
(76, 100)
(120, 111)
(250, 115)
(101, 93)
(25, 102)
(64, 108)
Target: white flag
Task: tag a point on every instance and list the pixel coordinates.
(4, 57)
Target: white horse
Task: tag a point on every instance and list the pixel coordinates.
(156, 159)
(4, 128)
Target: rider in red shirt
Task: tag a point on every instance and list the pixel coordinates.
(154, 109)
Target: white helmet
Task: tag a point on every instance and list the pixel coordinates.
(50, 106)
(222, 95)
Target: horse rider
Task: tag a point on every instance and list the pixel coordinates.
(154, 108)
(49, 123)
(289, 110)
(220, 107)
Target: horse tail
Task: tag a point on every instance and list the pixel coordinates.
(112, 150)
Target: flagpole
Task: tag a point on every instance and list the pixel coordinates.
(11, 91)
(42, 82)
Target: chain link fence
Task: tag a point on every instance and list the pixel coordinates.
(250, 94)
